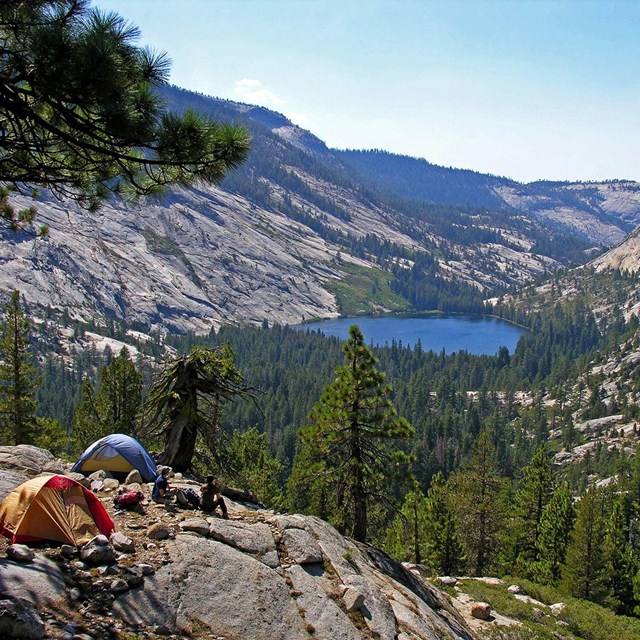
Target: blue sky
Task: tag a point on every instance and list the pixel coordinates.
(526, 89)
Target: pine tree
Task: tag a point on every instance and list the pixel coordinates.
(620, 563)
(86, 426)
(186, 402)
(256, 470)
(354, 428)
(80, 111)
(308, 489)
(477, 491)
(556, 524)
(52, 436)
(113, 408)
(532, 496)
(444, 549)
(18, 379)
(583, 573)
(120, 397)
(407, 537)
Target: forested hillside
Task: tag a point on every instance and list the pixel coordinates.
(596, 212)
(541, 421)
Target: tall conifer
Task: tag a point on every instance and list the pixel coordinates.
(354, 433)
(407, 538)
(18, 379)
(445, 552)
(477, 491)
(583, 573)
(620, 563)
(556, 524)
(114, 407)
(532, 496)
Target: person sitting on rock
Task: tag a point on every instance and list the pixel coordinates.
(160, 491)
(211, 497)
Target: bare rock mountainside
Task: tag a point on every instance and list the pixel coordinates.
(598, 212)
(300, 225)
(199, 259)
(625, 256)
(258, 575)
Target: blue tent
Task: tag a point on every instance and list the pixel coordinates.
(119, 454)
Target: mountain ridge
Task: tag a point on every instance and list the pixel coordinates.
(295, 234)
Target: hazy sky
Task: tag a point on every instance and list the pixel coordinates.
(525, 89)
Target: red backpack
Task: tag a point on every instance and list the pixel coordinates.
(128, 499)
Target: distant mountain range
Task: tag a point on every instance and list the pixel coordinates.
(303, 231)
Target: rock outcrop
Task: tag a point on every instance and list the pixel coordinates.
(625, 256)
(258, 575)
(240, 580)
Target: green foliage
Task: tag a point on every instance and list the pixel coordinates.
(477, 491)
(255, 468)
(113, 408)
(621, 562)
(417, 184)
(518, 632)
(444, 549)
(81, 114)
(86, 427)
(583, 574)
(354, 427)
(18, 378)
(407, 538)
(52, 436)
(555, 528)
(365, 290)
(531, 498)
(120, 396)
(582, 619)
(17, 219)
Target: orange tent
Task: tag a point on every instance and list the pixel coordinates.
(53, 507)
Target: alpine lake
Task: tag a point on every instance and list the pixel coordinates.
(480, 335)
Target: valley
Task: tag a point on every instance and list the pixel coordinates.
(298, 233)
(164, 254)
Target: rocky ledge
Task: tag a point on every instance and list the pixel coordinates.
(259, 575)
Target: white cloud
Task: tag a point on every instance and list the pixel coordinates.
(253, 92)
(301, 119)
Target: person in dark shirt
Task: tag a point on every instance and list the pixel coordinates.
(211, 497)
(161, 486)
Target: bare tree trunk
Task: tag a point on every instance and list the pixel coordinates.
(180, 444)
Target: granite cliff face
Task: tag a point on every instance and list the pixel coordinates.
(274, 242)
(198, 259)
(625, 256)
(602, 212)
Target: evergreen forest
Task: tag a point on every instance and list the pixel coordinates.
(504, 465)
(468, 483)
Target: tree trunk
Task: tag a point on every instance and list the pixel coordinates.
(180, 444)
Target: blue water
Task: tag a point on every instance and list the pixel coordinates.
(475, 334)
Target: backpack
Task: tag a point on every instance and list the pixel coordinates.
(128, 500)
